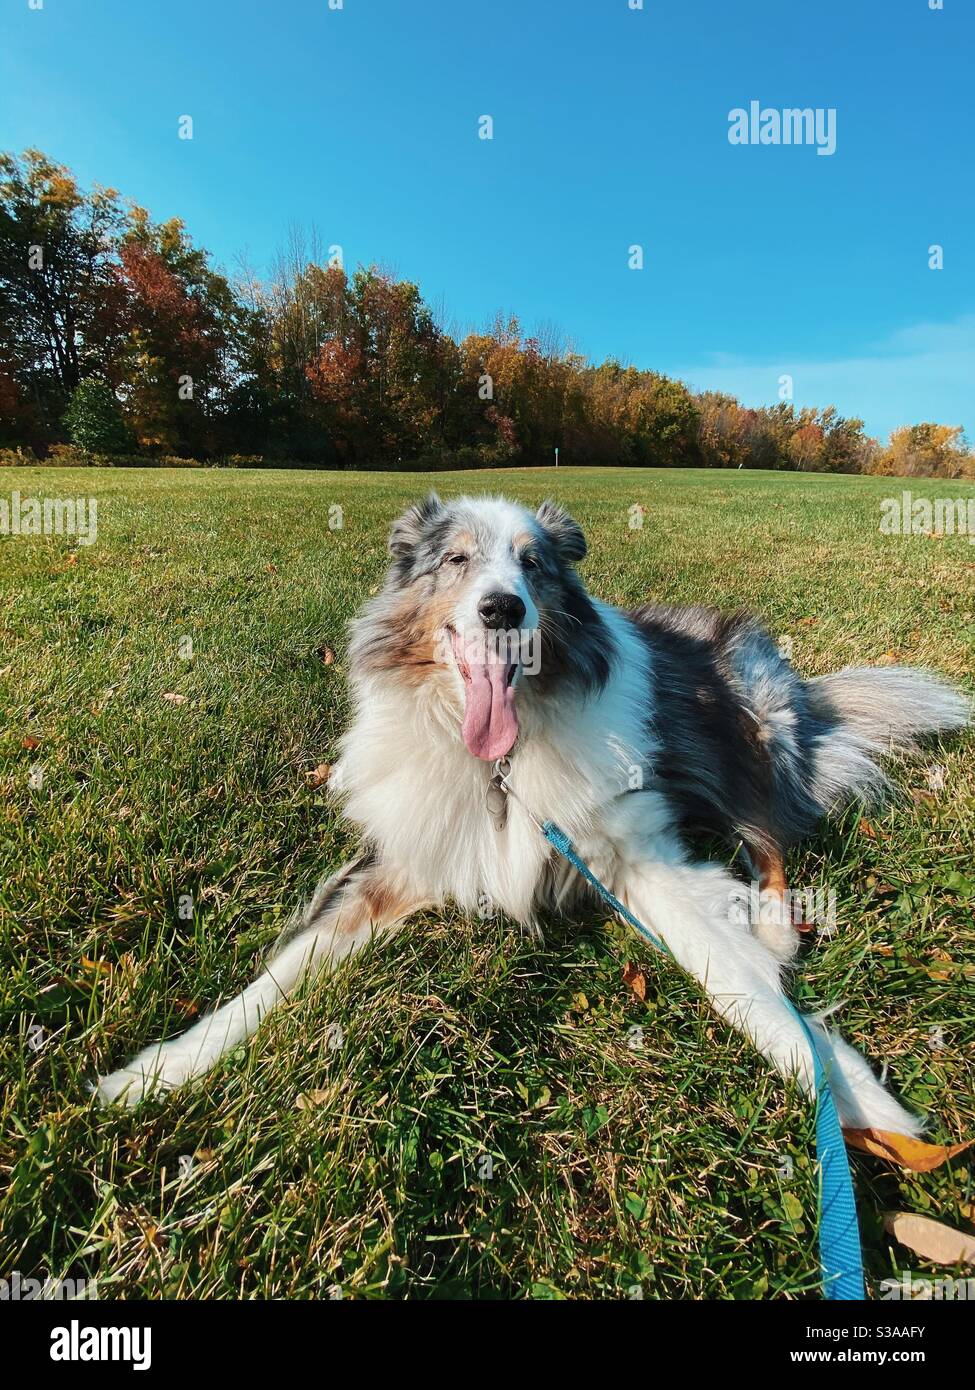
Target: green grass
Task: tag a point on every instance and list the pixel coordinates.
(613, 1166)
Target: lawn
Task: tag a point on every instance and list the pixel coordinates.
(462, 1113)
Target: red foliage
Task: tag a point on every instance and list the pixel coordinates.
(159, 301)
(334, 371)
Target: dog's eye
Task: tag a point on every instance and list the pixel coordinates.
(456, 560)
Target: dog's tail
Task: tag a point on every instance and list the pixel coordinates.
(873, 712)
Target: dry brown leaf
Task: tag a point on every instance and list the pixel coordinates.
(940, 974)
(935, 973)
(867, 829)
(325, 655)
(888, 659)
(899, 1148)
(319, 776)
(173, 698)
(635, 978)
(30, 742)
(101, 965)
(930, 1239)
(807, 622)
(309, 1099)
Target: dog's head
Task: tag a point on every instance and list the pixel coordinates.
(483, 602)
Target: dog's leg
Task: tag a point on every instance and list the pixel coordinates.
(775, 926)
(347, 909)
(690, 906)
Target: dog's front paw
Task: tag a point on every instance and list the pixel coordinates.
(151, 1072)
(776, 930)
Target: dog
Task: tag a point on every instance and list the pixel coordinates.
(484, 650)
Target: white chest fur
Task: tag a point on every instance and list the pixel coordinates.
(420, 797)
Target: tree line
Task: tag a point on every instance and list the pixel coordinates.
(121, 341)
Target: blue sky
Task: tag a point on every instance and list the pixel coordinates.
(610, 129)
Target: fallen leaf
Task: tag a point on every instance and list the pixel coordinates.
(888, 659)
(72, 559)
(899, 1148)
(325, 655)
(807, 622)
(309, 1099)
(867, 829)
(635, 978)
(930, 1239)
(915, 964)
(927, 798)
(30, 743)
(99, 706)
(319, 776)
(940, 974)
(187, 1007)
(101, 965)
(173, 698)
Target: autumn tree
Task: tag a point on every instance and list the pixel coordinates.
(178, 358)
(113, 325)
(60, 305)
(928, 451)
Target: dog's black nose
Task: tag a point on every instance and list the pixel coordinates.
(501, 610)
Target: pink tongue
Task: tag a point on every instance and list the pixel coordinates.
(490, 724)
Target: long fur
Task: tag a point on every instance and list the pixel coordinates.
(634, 728)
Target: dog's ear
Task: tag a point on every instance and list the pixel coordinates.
(409, 528)
(566, 533)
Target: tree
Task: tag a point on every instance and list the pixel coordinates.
(178, 359)
(114, 327)
(929, 451)
(94, 420)
(59, 300)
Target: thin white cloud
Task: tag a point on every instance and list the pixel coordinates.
(922, 372)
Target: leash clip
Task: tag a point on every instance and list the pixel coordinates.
(496, 796)
(499, 783)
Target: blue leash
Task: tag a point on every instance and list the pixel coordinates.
(840, 1256)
